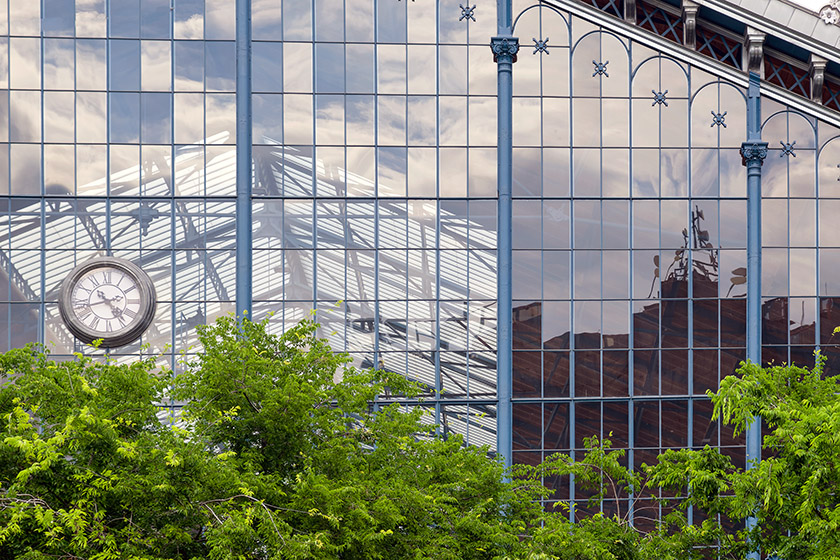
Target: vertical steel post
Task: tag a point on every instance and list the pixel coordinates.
(504, 47)
(753, 152)
(243, 159)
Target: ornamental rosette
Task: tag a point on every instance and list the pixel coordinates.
(830, 14)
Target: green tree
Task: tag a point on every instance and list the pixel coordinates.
(278, 454)
(793, 491)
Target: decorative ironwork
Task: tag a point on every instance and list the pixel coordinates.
(467, 12)
(787, 149)
(614, 7)
(753, 151)
(831, 95)
(787, 76)
(660, 22)
(600, 68)
(504, 47)
(718, 119)
(659, 98)
(540, 46)
(718, 46)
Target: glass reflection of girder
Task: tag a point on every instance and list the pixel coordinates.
(91, 228)
(477, 420)
(265, 180)
(27, 293)
(456, 374)
(210, 272)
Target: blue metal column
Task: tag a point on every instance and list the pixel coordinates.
(243, 158)
(753, 152)
(504, 48)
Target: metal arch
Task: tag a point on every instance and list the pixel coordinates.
(541, 5)
(659, 57)
(601, 31)
(718, 83)
(825, 144)
(789, 112)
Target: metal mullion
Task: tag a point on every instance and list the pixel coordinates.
(8, 213)
(572, 254)
(314, 172)
(43, 257)
(817, 322)
(172, 171)
(344, 160)
(438, 378)
(376, 315)
(631, 432)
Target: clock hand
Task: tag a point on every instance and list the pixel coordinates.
(101, 294)
(116, 311)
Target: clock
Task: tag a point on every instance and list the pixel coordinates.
(107, 298)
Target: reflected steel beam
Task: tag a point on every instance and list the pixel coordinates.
(504, 47)
(243, 158)
(753, 152)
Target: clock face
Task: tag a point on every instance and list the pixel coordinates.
(106, 299)
(109, 299)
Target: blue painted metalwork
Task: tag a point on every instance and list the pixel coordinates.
(504, 47)
(540, 46)
(718, 119)
(779, 72)
(669, 25)
(719, 47)
(244, 175)
(753, 152)
(787, 148)
(467, 12)
(600, 68)
(659, 98)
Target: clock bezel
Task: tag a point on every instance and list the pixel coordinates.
(120, 337)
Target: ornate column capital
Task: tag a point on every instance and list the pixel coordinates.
(504, 47)
(753, 151)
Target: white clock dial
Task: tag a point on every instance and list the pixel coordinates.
(107, 298)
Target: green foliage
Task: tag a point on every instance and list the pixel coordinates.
(279, 453)
(792, 492)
